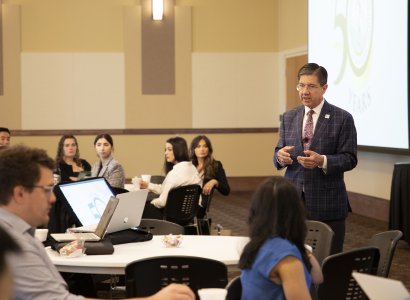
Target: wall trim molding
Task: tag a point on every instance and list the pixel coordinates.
(364, 205)
(369, 206)
(176, 131)
(145, 131)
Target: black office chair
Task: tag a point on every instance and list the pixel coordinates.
(386, 242)
(147, 276)
(337, 271)
(118, 190)
(234, 288)
(182, 205)
(204, 220)
(160, 227)
(157, 179)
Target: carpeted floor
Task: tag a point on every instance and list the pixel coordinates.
(231, 213)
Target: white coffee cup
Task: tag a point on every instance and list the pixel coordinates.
(212, 294)
(136, 182)
(41, 234)
(146, 178)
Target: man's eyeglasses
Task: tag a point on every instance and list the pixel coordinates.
(301, 86)
(46, 188)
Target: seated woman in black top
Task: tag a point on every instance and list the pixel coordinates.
(210, 170)
(68, 159)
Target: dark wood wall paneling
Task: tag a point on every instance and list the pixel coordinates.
(170, 131)
(158, 50)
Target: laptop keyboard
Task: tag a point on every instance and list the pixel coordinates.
(85, 235)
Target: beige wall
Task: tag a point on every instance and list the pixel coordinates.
(10, 101)
(218, 25)
(105, 28)
(234, 25)
(373, 174)
(292, 28)
(158, 111)
(72, 26)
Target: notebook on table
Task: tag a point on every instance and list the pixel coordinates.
(100, 231)
(87, 199)
(380, 288)
(127, 215)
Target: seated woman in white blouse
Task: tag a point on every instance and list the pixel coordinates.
(179, 170)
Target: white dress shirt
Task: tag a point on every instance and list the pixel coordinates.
(183, 173)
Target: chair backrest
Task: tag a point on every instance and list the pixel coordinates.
(157, 179)
(146, 277)
(204, 221)
(337, 271)
(182, 204)
(386, 242)
(118, 190)
(160, 227)
(208, 200)
(234, 288)
(319, 237)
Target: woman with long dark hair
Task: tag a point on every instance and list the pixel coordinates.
(179, 171)
(107, 166)
(68, 159)
(275, 263)
(210, 170)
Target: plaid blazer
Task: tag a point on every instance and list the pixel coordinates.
(335, 136)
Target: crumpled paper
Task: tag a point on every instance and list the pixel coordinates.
(74, 249)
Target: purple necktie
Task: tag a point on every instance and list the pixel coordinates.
(308, 130)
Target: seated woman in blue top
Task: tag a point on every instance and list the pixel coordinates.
(275, 263)
(210, 170)
(68, 159)
(179, 171)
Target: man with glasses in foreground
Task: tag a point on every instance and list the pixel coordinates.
(26, 196)
(317, 144)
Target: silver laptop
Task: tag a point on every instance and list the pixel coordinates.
(129, 211)
(100, 231)
(127, 215)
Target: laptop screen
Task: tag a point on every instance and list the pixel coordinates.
(87, 198)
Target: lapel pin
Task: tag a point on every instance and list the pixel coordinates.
(327, 116)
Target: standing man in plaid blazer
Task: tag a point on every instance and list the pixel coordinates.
(317, 155)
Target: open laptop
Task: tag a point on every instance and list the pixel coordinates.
(100, 231)
(86, 198)
(127, 215)
(129, 211)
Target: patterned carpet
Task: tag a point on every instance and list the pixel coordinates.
(231, 213)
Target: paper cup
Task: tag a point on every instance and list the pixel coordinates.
(136, 182)
(146, 178)
(212, 294)
(41, 234)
